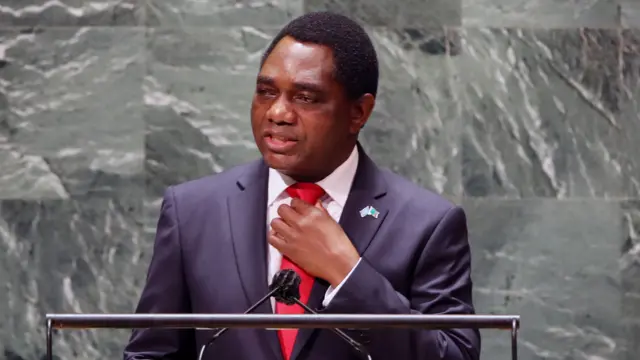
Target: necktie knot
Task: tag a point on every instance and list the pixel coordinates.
(308, 192)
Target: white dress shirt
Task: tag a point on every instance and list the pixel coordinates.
(336, 186)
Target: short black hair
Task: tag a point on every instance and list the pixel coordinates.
(354, 56)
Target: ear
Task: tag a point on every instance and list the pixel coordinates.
(360, 112)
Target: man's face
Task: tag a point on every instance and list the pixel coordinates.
(303, 123)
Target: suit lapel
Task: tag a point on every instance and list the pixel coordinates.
(248, 217)
(368, 189)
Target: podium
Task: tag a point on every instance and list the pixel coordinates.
(214, 321)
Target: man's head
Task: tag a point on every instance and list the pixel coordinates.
(316, 88)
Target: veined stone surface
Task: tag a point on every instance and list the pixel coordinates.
(550, 113)
(558, 265)
(541, 13)
(524, 112)
(71, 12)
(391, 13)
(630, 12)
(221, 13)
(72, 110)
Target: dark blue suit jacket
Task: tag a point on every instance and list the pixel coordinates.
(210, 256)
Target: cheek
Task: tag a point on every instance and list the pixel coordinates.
(324, 133)
(255, 107)
(257, 113)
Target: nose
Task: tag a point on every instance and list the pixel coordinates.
(280, 112)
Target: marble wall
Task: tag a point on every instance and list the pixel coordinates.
(524, 111)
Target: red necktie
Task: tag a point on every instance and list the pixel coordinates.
(310, 193)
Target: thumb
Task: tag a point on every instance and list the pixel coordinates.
(319, 206)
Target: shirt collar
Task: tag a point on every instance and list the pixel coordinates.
(337, 185)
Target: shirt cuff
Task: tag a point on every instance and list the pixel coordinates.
(331, 292)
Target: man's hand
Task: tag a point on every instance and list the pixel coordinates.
(309, 237)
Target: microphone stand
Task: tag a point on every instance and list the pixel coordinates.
(285, 289)
(361, 349)
(223, 330)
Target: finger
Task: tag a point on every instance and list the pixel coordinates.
(288, 214)
(274, 233)
(283, 230)
(300, 206)
(276, 240)
(322, 208)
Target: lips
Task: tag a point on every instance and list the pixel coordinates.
(280, 137)
(279, 143)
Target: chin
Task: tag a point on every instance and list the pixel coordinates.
(293, 168)
(280, 162)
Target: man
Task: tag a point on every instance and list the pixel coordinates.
(363, 239)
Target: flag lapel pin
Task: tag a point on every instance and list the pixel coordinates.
(369, 211)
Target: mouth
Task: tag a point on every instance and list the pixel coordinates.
(279, 144)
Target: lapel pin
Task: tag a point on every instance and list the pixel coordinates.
(369, 211)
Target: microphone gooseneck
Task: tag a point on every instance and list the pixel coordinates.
(281, 280)
(289, 294)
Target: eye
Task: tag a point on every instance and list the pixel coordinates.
(264, 91)
(306, 98)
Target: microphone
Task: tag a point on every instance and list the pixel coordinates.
(289, 294)
(280, 283)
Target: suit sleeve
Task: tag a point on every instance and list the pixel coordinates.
(164, 292)
(441, 285)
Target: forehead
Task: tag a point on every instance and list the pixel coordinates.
(295, 61)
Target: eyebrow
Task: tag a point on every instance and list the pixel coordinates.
(303, 86)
